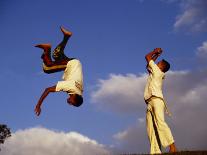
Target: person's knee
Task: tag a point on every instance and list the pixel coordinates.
(48, 71)
(51, 68)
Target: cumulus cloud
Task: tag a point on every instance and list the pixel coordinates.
(202, 50)
(42, 141)
(193, 16)
(134, 139)
(122, 93)
(185, 93)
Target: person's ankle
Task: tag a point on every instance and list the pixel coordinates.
(173, 148)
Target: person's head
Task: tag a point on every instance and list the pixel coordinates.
(75, 100)
(163, 65)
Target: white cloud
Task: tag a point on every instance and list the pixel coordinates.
(185, 92)
(134, 139)
(42, 141)
(122, 93)
(193, 16)
(202, 50)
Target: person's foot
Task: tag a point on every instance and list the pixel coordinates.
(173, 148)
(65, 32)
(45, 47)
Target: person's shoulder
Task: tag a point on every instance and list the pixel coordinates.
(154, 68)
(151, 63)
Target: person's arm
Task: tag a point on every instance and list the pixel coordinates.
(43, 96)
(153, 55)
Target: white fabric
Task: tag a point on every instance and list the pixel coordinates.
(72, 78)
(156, 125)
(154, 81)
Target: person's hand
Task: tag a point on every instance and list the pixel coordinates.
(37, 110)
(158, 51)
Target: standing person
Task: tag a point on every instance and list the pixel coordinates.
(158, 131)
(72, 82)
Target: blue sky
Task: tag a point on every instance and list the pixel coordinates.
(111, 38)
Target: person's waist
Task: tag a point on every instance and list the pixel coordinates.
(153, 97)
(161, 98)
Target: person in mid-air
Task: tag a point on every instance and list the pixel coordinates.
(72, 82)
(158, 131)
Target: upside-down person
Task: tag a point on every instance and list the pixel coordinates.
(72, 82)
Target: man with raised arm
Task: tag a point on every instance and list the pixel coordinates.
(159, 133)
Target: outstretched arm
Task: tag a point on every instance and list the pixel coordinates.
(43, 96)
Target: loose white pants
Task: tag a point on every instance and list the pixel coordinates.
(158, 131)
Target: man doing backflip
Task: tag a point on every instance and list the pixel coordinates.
(72, 82)
(158, 131)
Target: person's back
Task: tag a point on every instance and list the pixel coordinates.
(72, 78)
(154, 81)
(73, 71)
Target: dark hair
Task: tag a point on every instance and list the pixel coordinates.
(78, 100)
(167, 65)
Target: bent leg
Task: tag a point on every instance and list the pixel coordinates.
(46, 54)
(53, 68)
(58, 53)
(50, 66)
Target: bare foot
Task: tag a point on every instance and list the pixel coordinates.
(173, 148)
(46, 53)
(44, 46)
(65, 32)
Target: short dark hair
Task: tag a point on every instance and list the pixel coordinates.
(167, 65)
(78, 100)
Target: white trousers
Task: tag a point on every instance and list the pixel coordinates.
(157, 129)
